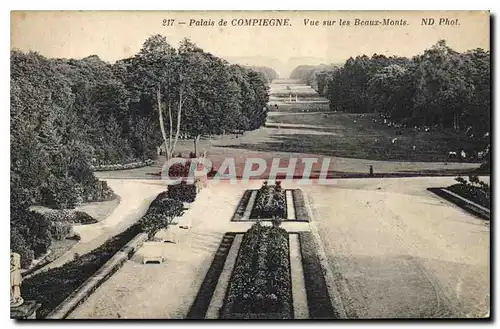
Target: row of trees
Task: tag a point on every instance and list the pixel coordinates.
(68, 114)
(439, 87)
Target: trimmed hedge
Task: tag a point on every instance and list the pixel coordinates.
(160, 214)
(182, 192)
(270, 202)
(120, 166)
(260, 285)
(52, 287)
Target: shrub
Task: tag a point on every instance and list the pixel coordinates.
(60, 230)
(182, 192)
(74, 236)
(18, 244)
(61, 193)
(160, 214)
(69, 216)
(34, 229)
(82, 218)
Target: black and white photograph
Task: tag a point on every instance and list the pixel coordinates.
(250, 165)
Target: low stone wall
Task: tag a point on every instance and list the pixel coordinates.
(121, 166)
(92, 283)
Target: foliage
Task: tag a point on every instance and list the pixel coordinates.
(261, 281)
(34, 229)
(70, 276)
(160, 214)
(182, 192)
(474, 189)
(60, 230)
(270, 202)
(71, 116)
(440, 88)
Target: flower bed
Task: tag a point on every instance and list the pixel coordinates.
(260, 285)
(270, 202)
(122, 166)
(472, 193)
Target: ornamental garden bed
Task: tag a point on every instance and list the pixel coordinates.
(122, 166)
(269, 202)
(470, 208)
(260, 286)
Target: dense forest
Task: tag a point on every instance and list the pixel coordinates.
(440, 87)
(68, 115)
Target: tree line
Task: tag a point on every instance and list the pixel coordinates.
(70, 114)
(440, 87)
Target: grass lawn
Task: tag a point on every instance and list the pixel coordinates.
(354, 136)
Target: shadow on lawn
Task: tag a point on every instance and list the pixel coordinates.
(358, 147)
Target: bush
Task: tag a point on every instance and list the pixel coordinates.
(61, 193)
(182, 192)
(75, 237)
(60, 230)
(18, 244)
(34, 228)
(160, 214)
(81, 217)
(69, 216)
(261, 281)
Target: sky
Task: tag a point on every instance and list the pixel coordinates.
(114, 35)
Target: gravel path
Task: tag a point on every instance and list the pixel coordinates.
(402, 251)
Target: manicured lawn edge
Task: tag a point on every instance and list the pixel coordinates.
(318, 299)
(242, 205)
(201, 303)
(470, 208)
(301, 213)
